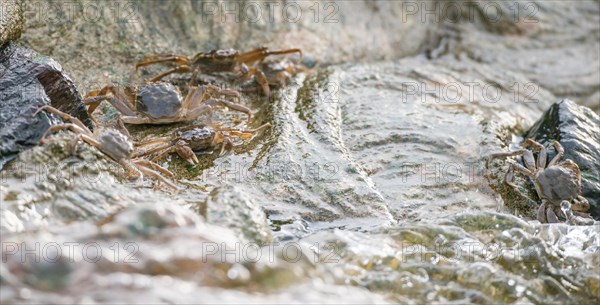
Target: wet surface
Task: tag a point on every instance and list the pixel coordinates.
(28, 81)
(578, 131)
(371, 186)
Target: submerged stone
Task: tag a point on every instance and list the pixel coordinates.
(577, 128)
(28, 81)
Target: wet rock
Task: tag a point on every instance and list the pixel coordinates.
(29, 80)
(11, 21)
(104, 43)
(407, 140)
(577, 128)
(230, 207)
(555, 45)
(45, 185)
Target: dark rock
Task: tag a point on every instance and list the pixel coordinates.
(28, 81)
(577, 128)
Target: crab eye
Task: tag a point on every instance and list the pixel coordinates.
(225, 53)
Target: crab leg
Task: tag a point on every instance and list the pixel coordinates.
(193, 97)
(154, 166)
(260, 54)
(136, 120)
(132, 169)
(178, 69)
(541, 162)
(506, 154)
(224, 92)
(529, 160)
(233, 106)
(519, 168)
(160, 147)
(87, 139)
(560, 151)
(74, 128)
(66, 117)
(151, 172)
(246, 133)
(114, 95)
(163, 152)
(151, 142)
(183, 151)
(541, 213)
(194, 76)
(551, 215)
(227, 144)
(160, 58)
(259, 76)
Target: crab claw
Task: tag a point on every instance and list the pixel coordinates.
(541, 214)
(551, 216)
(186, 154)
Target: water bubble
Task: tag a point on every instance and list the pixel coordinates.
(511, 282)
(520, 289)
(565, 206)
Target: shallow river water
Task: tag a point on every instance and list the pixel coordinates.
(371, 186)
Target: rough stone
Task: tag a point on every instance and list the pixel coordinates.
(11, 21)
(577, 128)
(28, 81)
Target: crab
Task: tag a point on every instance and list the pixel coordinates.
(277, 73)
(557, 184)
(227, 60)
(161, 102)
(184, 141)
(112, 143)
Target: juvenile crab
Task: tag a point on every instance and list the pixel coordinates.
(161, 103)
(110, 142)
(228, 60)
(276, 74)
(558, 184)
(186, 140)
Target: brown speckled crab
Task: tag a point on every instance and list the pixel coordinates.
(558, 184)
(228, 60)
(161, 103)
(112, 143)
(184, 141)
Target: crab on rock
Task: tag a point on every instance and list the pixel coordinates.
(557, 183)
(227, 60)
(161, 103)
(110, 142)
(184, 141)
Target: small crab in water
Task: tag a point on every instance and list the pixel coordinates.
(217, 61)
(192, 138)
(161, 103)
(558, 184)
(110, 142)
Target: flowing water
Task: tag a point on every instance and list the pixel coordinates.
(370, 187)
